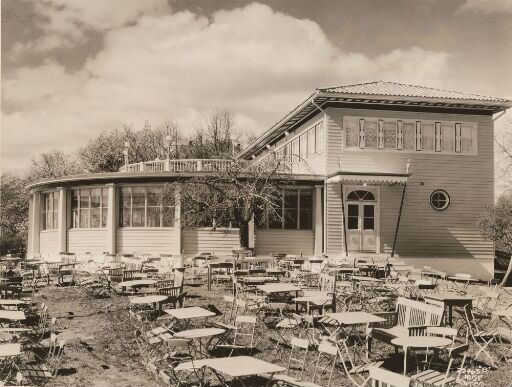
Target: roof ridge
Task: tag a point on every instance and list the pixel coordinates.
(352, 84)
(438, 89)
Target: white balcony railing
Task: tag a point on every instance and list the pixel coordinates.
(179, 165)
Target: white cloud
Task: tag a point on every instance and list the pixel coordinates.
(487, 6)
(256, 62)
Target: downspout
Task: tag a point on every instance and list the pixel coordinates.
(400, 213)
(344, 223)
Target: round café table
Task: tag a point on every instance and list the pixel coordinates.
(136, 284)
(419, 342)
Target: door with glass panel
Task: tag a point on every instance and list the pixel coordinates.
(361, 208)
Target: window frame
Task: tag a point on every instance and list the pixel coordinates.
(103, 206)
(298, 211)
(45, 211)
(447, 196)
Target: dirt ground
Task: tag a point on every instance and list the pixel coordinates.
(100, 350)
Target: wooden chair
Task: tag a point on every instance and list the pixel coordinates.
(297, 359)
(356, 372)
(435, 378)
(41, 373)
(328, 354)
(384, 378)
(411, 318)
(481, 337)
(245, 327)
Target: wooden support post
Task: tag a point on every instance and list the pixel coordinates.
(344, 222)
(398, 220)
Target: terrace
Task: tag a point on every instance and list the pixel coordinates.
(240, 320)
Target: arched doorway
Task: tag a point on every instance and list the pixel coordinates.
(361, 220)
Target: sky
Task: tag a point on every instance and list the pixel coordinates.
(72, 69)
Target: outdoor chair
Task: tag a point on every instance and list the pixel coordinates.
(174, 296)
(245, 327)
(482, 338)
(410, 318)
(326, 361)
(504, 337)
(357, 372)
(384, 378)
(297, 361)
(41, 373)
(433, 377)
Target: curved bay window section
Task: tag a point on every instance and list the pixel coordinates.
(89, 208)
(146, 206)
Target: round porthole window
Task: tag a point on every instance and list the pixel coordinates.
(439, 200)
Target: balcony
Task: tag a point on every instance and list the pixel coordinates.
(179, 165)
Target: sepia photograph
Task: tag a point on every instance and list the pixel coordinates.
(281, 193)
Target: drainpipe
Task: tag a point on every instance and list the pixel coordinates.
(400, 212)
(343, 216)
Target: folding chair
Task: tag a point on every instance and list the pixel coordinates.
(355, 372)
(328, 354)
(384, 378)
(435, 378)
(245, 327)
(41, 373)
(482, 338)
(300, 348)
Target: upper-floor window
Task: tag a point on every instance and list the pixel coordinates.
(410, 135)
(309, 143)
(296, 211)
(50, 210)
(147, 206)
(89, 207)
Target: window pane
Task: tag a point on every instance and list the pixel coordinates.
(125, 209)
(368, 224)
(352, 133)
(295, 150)
(306, 209)
(353, 210)
(467, 138)
(104, 216)
(154, 196)
(138, 217)
(138, 197)
(409, 134)
(352, 223)
(311, 141)
(95, 217)
(319, 141)
(390, 135)
(303, 146)
(368, 211)
(153, 217)
(371, 134)
(168, 217)
(84, 217)
(290, 209)
(74, 218)
(84, 198)
(448, 137)
(427, 136)
(95, 198)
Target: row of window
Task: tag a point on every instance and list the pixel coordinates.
(309, 143)
(296, 211)
(396, 134)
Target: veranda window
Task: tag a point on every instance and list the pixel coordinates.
(145, 207)
(89, 208)
(50, 210)
(296, 211)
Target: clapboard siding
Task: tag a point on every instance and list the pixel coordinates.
(220, 242)
(146, 241)
(87, 240)
(334, 221)
(423, 232)
(48, 242)
(284, 241)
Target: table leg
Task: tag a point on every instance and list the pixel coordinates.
(450, 315)
(405, 360)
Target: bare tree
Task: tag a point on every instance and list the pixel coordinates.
(233, 196)
(53, 164)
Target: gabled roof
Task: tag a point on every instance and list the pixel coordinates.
(404, 90)
(378, 95)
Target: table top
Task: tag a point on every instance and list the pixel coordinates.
(15, 329)
(448, 297)
(235, 367)
(137, 283)
(13, 302)
(188, 313)
(278, 288)
(462, 279)
(12, 349)
(421, 341)
(503, 312)
(275, 271)
(148, 299)
(363, 278)
(355, 318)
(199, 333)
(12, 315)
(317, 300)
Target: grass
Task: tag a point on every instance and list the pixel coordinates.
(100, 350)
